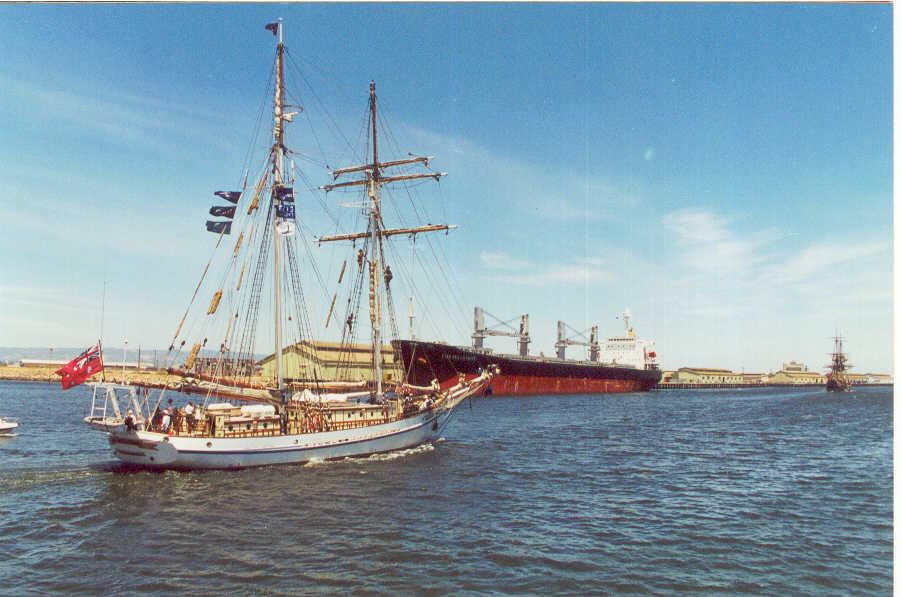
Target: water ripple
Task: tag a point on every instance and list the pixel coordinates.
(772, 491)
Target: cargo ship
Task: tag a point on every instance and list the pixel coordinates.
(624, 363)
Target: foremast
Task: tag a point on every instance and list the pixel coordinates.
(278, 163)
(379, 272)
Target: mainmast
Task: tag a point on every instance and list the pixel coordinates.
(376, 232)
(278, 163)
(375, 312)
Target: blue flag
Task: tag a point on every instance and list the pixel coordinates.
(285, 212)
(231, 196)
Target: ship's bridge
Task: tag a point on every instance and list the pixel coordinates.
(629, 351)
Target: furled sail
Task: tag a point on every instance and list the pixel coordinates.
(238, 245)
(214, 304)
(189, 363)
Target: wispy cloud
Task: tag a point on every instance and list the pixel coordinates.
(723, 274)
(501, 260)
(709, 244)
(17, 297)
(119, 116)
(820, 257)
(121, 234)
(583, 272)
(559, 193)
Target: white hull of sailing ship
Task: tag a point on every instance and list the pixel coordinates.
(181, 447)
(152, 449)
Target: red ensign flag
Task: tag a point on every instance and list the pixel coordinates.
(79, 369)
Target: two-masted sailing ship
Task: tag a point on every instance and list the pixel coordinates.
(837, 379)
(244, 419)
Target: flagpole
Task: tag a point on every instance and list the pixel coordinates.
(102, 317)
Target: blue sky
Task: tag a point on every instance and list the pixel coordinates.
(722, 170)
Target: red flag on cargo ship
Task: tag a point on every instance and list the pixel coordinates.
(79, 369)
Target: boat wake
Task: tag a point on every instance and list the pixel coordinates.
(421, 449)
(383, 457)
(28, 479)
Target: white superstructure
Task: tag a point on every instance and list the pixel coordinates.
(628, 349)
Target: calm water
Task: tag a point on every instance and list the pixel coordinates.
(752, 491)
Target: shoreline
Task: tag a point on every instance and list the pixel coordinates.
(47, 375)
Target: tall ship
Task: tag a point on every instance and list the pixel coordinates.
(254, 283)
(623, 363)
(837, 379)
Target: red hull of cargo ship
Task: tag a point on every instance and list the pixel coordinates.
(519, 376)
(522, 385)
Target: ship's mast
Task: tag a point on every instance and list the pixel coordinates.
(278, 162)
(411, 310)
(375, 314)
(376, 233)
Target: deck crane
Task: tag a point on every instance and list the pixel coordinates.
(594, 349)
(481, 332)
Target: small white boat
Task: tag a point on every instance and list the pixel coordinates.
(7, 426)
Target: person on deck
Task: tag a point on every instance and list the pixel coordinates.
(130, 421)
(156, 419)
(189, 416)
(167, 419)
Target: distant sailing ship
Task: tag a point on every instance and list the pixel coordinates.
(286, 421)
(624, 363)
(838, 380)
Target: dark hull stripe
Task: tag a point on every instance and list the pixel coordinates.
(425, 361)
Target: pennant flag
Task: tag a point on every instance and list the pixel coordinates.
(223, 212)
(285, 212)
(79, 369)
(286, 227)
(219, 227)
(232, 196)
(285, 194)
(273, 27)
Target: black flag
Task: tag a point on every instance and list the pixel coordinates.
(273, 27)
(285, 194)
(219, 227)
(223, 212)
(232, 196)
